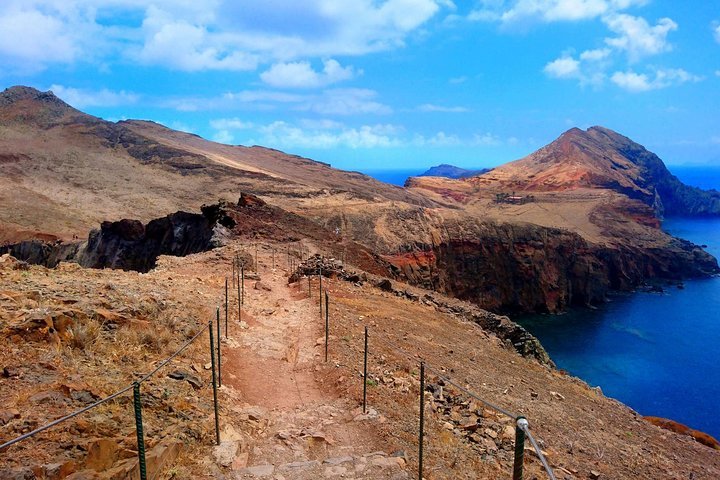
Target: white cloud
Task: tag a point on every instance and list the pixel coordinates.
(283, 134)
(302, 75)
(547, 10)
(563, 67)
(209, 35)
(429, 107)
(80, 98)
(595, 55)
(186, 46)
(662, 78)
(30, 39)
(223, 136)
(230, 124)
(458, 80)
(345, 101)
(637, 37)
(486, 139)
(716, 32)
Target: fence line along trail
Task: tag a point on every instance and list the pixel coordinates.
(273, 379)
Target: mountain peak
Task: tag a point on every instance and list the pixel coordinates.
(22, 93)
(23, 104)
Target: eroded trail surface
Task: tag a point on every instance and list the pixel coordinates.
(285, 421)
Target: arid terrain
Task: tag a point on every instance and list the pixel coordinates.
(428, 269)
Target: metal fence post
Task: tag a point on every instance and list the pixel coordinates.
(214, 383)
(239, 298)
(519, 448)
(365, 372)
(422, 421)
(327, 326)
(137, 405)
(226, 312)
(233, 270)
(321, 291)
(219, 372)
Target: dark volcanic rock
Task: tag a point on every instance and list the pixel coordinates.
(130, 245)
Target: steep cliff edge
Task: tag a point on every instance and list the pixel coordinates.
(513, 268)
(604, 159)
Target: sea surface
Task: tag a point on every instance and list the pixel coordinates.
(393, 176)
(659, 353)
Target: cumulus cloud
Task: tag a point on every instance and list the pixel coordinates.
(80, 98)
(284, 134)
(230, 124)
(637, 37)
(223, 136)
(429, 107)
(31, 39)
(547, 10)
(563, 67)
(302, 75)
(211, 35)
(662, 78)
(345, 101)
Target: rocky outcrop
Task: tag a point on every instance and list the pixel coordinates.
(130, 245)
(512, 268)
(451, 171)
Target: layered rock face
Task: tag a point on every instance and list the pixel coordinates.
(526, 268)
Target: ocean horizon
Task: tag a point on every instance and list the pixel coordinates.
(655, 352)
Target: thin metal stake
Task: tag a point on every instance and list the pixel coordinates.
(242, 284)
(219, 377)
(239, 298)
(226, 312)
(214, 383)
(321, 291)
(365, 372)
(519, 449)
(137, 405)
(233, 270)
(327, 326)
(422, 420)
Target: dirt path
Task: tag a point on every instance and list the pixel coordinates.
(285, 421)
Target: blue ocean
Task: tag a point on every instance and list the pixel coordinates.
(656, 352)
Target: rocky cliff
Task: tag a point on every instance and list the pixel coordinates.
(513, 268)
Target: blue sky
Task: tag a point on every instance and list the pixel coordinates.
(366, 84)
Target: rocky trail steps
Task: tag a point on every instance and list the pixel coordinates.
(285, 423)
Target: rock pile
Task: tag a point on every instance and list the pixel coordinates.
(328, 267)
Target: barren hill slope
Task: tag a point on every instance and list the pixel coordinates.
(602, 158)
(63, 171)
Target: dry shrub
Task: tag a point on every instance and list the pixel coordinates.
(86, 334)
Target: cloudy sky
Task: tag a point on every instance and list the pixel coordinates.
(383, 83)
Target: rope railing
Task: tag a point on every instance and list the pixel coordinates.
(171, 357)
(104, 400)
(522, 425)
(526, 428)
(66, 417)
